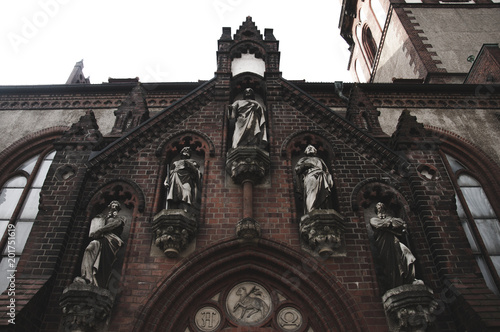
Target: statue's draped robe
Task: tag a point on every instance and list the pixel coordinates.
(101, 253)
(397, 258)
(250, 126)
(184, 181)
(316, 182)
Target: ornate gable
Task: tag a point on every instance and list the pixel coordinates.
(359, 140)
(151, 129)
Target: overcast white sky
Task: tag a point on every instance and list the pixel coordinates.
(160, 40)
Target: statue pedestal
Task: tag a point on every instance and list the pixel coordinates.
(322, 233)
(409, 308)
(174, 230)
(85, 307)
(247, 163)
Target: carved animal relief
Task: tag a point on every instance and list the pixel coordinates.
(249, 303)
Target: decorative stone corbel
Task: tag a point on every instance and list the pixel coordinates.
(248, 228)
(247, 163)
(86, 307)
(174, 230)
(409, 308)
(322, 232)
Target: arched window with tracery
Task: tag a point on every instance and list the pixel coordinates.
(23, 168)
(19, 200)
(479, 220)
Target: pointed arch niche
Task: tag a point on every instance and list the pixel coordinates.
(293, 148)
(364, 199)
(295, 288)
(183, 167)
(248, 56)
(132, 202)
(169, 151)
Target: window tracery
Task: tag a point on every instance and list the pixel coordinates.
(19, 201)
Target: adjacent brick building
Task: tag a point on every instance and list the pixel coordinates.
(245, 255)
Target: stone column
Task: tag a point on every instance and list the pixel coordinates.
(247, 166)
(247, 199)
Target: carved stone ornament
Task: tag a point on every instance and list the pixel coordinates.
(173, 230)
(248, 229)
(247, 163)
(322, 232)
(290, 319)
(85, 307)
(409, 308)
(207, 319)
(248, 303)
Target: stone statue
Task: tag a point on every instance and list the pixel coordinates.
(100, 254)
(250, 126)
(184, 182)
(315, 180)
(398, 260)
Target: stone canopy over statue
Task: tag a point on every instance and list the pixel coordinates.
(315, 181)
(249, 118)
(396, 257)
(183, 183)
(100, 254)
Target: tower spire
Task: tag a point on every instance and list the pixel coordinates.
(76, 76)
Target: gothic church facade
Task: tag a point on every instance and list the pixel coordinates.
(249, 202)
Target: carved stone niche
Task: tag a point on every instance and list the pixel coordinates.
(174, 230)
(247, 163)
(322, 233)
(85, 307)
(410, 308)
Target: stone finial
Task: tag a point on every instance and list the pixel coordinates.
(83, 135)
(411, 134)
(131, 113)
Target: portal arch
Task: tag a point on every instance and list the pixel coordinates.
(295, 284)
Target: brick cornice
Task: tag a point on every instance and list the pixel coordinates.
(95, 96)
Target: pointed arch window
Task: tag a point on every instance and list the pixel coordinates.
(19, 200)
(479, 221)
(369, 44)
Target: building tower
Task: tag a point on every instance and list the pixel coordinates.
(420, 41)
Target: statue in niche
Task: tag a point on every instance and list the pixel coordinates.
(250, 121)
(183, 184)
(100, 254)
(398, 260)
(315, 180)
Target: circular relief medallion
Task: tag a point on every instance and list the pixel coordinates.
(207, 319)
(248, 303)
(289, 319)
